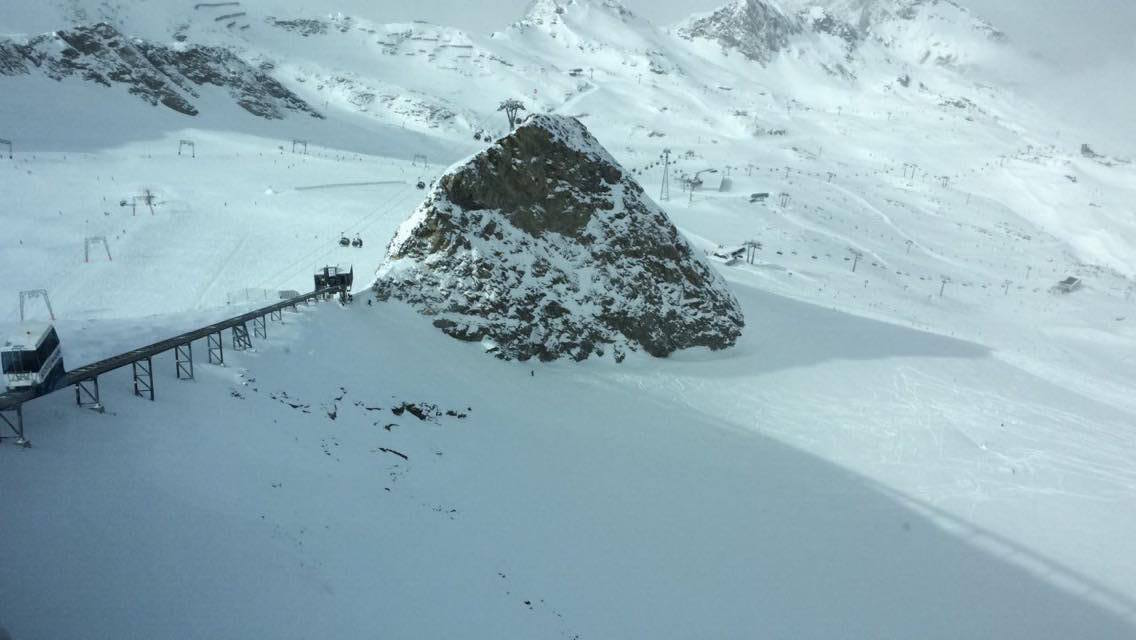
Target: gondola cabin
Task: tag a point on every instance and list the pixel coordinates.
(31, 357)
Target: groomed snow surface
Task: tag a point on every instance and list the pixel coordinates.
(873, 460)
(592, 500)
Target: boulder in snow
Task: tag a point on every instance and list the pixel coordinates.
(543, 246)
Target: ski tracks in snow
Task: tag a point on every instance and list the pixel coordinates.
(219, 271)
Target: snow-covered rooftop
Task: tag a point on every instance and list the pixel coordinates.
(23, 337)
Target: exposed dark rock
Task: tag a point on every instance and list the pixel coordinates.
(822, 21)
(302, 27)
(542, 246)
(423, 411)
(170, 76)
(760, 29)
(755, 29)
(12, 61)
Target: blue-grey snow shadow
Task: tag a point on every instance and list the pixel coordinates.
(826, 553)
(721, 533)
(665, 524)
(782, 333)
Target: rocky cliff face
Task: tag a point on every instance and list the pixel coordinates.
(931, 31)
(754, 28)
(873, 15)
(542, 246)
(168, 75)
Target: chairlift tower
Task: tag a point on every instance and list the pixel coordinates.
(187, 143)
(300, 143)
(90, 241)
(32, 294)
(752, 247)
(7, 143)
(665, 189)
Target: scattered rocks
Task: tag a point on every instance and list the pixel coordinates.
(303, 27)
(425, 411)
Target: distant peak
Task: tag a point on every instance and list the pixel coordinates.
(756, 28)
(868, 13)
(544, 11)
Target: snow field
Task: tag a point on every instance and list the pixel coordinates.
(872, 460)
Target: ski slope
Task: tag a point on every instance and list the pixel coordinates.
(874, 459)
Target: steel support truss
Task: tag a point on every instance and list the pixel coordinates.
(16, 423)
(87, 394)
(216, 348)
(260, 328)
(183, 356)
(277, 315)
(143, 371)
(241, 340)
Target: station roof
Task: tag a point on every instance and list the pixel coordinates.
(22, 336)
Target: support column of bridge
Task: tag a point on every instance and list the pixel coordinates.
(14, 418)
(183, 356)
(143, 372)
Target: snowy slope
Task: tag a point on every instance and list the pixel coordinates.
(914, 438)
(553, 505)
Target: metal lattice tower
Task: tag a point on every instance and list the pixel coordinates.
(665, 189)
(95, 240)
(35, 293)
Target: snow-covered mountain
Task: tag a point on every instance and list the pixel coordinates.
(758, 29)
(168, 75)
(912, 31)
(917, 434)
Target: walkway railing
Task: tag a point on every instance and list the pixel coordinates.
(85, 379)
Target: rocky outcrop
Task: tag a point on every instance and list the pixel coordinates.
(754, 28)
(820, 20)
(542, 246)
(168, 75)
(875, 13)
(937, 31)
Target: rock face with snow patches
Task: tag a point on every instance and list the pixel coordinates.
(172, 76)
(752, 27)
(542, 246)
(939, 32)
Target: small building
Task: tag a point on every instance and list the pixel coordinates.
(31, 357)
(334, 276)
(730, 255)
